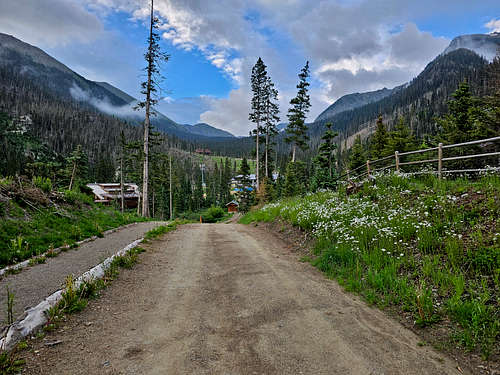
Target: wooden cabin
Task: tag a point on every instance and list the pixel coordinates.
(108, 192)
(232, 206)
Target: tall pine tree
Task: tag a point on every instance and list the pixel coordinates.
(154, 56)
(271, 118)
(297, 129)
(379, 140)
(246, 196)
(357, 157)
(258, 83)
(400, 139)
(325, 171)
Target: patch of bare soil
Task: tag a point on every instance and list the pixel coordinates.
(230, 299)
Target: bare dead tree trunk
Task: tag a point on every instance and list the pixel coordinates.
(293, 153)
(72, 175)
(267, 150)
(145, 173)
(170, 187)
(139, 205)
(153, 193)
(257, 153)
(121, 182)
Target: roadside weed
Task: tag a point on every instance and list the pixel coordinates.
(428, 247)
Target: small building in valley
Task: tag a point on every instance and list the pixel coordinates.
(232, 206)
(108, 192)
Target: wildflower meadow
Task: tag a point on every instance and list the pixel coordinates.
(428, 247)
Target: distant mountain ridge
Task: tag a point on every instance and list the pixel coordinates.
(420, 100)
(51, 74)
(356, 100)
(485, 45)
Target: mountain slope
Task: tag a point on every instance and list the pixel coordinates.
(485, 45)
(46, 71)
(51, 75)
(356, 100)
(119, 93)
(419, 102)
(207, 130)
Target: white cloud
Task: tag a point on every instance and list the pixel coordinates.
(353, 45)
(103, 105)
(401, 57)
(186, 110)
(230, 113)
(50, 22)
(493, 26)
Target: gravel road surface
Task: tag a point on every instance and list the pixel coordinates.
(230, 299)
(33, 284)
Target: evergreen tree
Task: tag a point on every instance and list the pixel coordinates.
(271, 118)
(400, 139)
(266, 192)
(246, 195)
(379, 140)
(77, 167)
(357, 157)
(297, 130)
(12, 147)
(259, 82)
(460, 123)
(467, 120)
(154, 56)
(295, 179)
(325, 172)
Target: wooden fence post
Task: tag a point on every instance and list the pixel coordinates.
(368, 166)
(396, 156)
(440, 160)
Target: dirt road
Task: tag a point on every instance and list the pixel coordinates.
(230, 299)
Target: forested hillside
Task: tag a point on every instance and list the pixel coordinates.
(424, 98)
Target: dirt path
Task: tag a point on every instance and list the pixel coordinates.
(230, 299)
(33, 284)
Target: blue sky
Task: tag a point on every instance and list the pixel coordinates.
(352, 45)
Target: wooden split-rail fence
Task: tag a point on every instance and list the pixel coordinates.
(396, 163)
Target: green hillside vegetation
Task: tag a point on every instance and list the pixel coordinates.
(235, 162)
(34, 219)
(428, 248)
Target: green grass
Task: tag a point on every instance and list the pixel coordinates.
(218, 159)
(9, 363)
(33, 232)
(429, 248)
(163, 229)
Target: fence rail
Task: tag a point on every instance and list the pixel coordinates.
(440, 159)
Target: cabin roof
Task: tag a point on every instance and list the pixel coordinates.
(106, 191)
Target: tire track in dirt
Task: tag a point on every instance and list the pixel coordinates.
(231, 299)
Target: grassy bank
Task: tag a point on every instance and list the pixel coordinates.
(33, 221)
(428, 248)
(74, 300)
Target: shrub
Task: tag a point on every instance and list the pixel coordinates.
(43, 183)
(213, 214)
(75, 197)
